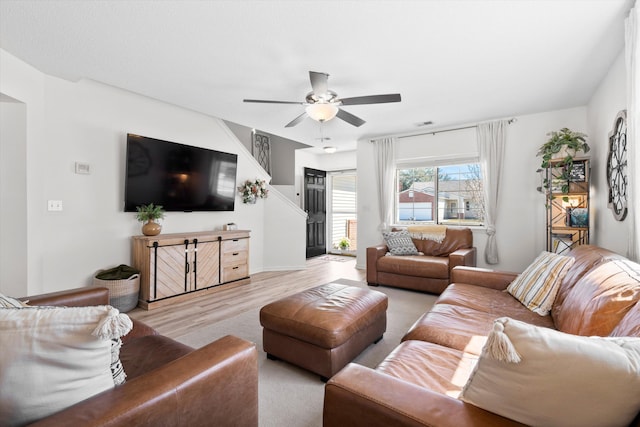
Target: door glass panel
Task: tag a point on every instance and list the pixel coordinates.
(344, 222)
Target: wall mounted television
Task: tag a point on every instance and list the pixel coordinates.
(181, 178)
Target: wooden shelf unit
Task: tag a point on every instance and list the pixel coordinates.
(567, 205)
(180, 266)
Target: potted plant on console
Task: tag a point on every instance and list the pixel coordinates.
(149, 214)
(561, 149)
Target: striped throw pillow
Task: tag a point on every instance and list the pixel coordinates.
(538, 285)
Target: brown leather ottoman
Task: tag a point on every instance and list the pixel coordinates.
(324, 328)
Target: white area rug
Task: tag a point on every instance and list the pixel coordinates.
(290, 396)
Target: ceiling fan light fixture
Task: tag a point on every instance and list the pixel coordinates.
(330, 149)
(321, 111)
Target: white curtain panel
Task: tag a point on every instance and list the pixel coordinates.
(385, 177)
(491, 142)
(632, 46)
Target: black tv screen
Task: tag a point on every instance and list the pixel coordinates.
(179, 177)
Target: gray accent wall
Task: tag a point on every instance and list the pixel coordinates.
(283, 153)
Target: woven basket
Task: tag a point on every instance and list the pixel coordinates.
(123, 294)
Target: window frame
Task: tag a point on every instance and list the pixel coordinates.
(436, 164)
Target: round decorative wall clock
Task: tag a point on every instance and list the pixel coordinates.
(617, 167)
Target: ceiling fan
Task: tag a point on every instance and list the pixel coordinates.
(323, 104)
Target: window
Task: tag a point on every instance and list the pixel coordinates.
(449, 195)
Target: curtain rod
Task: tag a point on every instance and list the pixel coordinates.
(447, 130)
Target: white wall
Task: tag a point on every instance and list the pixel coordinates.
(88, 122)
(13, 203)
(606, 102)
(520, 224)
(24, 83)
(286, 252)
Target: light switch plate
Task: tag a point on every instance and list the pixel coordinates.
(83, 168)
(54, 205)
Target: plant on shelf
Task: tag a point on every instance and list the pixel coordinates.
(344, 244)
(562, 147)
(149, 214)
(252, 190)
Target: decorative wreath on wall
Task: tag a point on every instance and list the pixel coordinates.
(253, 190)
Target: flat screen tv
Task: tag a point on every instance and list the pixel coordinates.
(179, 177)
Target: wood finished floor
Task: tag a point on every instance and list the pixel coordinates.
(179, 319)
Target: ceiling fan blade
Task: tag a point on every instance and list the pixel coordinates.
(297, 120)
(350, 118)
(263, 101)
(319, 82)
(371, 99)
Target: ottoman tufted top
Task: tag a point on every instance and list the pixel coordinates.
(326, 316)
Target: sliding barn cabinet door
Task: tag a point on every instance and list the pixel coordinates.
(177, 269)
(205, 265)
(168, 272)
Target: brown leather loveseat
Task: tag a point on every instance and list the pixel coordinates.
(168, 383)
(429, 272)
(417, 384)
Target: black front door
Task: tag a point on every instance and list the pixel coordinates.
(315, 196)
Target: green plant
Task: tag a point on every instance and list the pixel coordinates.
(566, 143)
(149, 212)
(344, 243)
(564, 138)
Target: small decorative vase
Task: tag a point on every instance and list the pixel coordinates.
(151, 228)
(250, 199)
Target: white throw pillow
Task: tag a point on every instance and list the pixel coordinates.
(54, 357)
(8, 302)
(538, 285)
(543, 377)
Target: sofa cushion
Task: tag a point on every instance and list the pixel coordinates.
(629, 326)
(553, 382)
(600, 299)
(399, 243)
(439, 369)
(463, 328)
(418, 266)
(456, 238)
(585, 258)
(490, 301)
(54, 357)
(536, 287)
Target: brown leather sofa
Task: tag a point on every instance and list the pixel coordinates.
(168, 383)
(430, 272)
(413, 385)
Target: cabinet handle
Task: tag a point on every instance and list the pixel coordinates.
(236, 253)
(235, 268)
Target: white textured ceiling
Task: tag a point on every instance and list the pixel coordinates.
(453, 62)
